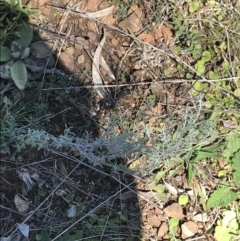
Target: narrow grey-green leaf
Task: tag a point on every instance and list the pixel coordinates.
(5, 54)
(19, 74)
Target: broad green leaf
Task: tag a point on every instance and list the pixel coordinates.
(221, 197)
(5, 54)
(213, 75)
(236, 161)
(206, 86)
(189, 76)
(19, 74)
(229, 218)
(198, 86)
(42, 236)
(200, 67)
(174, 222)
(233, 146)
(167, 72)
(193, 6)
(236, 178)
(25, 53)
(198, 46)
(183, 199)
(225, 65)
(160, 190)
(16, 55)
(222, 234)
(26, 35)
(208, 104)
(222, 173)
(206, 56)
(223, 45)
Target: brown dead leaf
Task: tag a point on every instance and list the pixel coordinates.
(174, 211)
(96, 77)
(149, 38)
(105, 66)
(109, 19)
(133, 8)
(160, 32)
(146, 227)
(163, 32)
(222, 162)
(100, 13)
(115, 42)
(21, 205)
(91, 25)
(92, 5)
(189, 229)
(93, 36)
(133, 21)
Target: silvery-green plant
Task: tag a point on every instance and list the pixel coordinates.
(15, 53)
(98, 151)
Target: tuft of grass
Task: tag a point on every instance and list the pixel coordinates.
(13, 15)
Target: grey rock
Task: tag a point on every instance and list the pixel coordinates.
(41, 49)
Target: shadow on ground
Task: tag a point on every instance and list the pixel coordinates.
(57, 192)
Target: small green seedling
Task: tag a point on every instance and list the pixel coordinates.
(183, 199)
(194, 6)
(160, 190)
(15, 53)
(173, 227)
